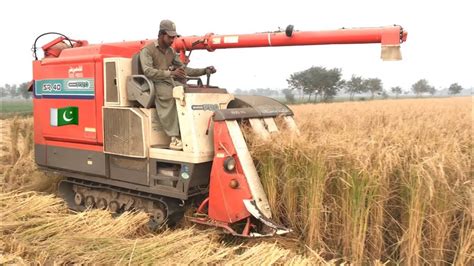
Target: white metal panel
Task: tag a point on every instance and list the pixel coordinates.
(259, 128)
(181, 156)
(291, 124)
(194, 115)
(271, 126)
(123, 69)
(255, 186)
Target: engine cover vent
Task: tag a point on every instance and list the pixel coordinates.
(124, 132)
(116, 70)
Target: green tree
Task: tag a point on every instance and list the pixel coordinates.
(397, 91)
(301, 81)
(297, 82)
(23, 90)
(4, 92)
(455, 89)
(7, 90)
(421, 86)
(14, 91)
(374, 85)
(317, 81)
(289, 96)
(354, 85)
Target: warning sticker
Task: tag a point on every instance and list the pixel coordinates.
(231, 39)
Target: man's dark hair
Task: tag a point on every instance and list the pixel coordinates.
(161, 32)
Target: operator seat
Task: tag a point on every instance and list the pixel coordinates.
(139, 87)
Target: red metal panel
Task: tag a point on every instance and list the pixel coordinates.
(226, 203)
(89, 59)
(85, 131)
(121, 49)
(74, 145)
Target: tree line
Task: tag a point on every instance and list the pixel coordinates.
(323, 83)
(317, 83)
(15, 91)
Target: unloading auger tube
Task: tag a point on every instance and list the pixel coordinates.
(389, 37)
(105, 170)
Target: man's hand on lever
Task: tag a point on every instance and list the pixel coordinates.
(178, 73)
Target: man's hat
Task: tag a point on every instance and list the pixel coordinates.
(169, 27)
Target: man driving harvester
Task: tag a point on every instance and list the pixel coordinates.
(162, 65)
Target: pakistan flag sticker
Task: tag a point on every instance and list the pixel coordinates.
(64, 116)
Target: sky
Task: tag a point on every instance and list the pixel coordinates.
(438, 48)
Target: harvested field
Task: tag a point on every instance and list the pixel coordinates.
(365, 183)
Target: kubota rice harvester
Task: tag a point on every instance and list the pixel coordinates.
(95, 122)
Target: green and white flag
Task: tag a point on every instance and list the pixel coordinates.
(64, 116)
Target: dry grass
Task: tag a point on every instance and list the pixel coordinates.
(17, 168)
(365, 183)
(38, 229)
(376, 181)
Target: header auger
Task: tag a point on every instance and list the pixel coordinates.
(95, 122)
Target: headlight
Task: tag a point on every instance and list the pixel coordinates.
(184, 175)
(229, 164)
(185, 171)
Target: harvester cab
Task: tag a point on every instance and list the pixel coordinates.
(95, 122)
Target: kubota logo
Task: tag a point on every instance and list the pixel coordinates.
(78, 84)
(205, 107)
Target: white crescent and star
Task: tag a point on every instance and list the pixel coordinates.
(67, 119)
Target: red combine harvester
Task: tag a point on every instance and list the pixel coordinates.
(95, 123)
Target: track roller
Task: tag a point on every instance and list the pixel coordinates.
(80, 196)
